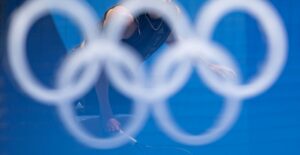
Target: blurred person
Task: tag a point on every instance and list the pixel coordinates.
(145, 33)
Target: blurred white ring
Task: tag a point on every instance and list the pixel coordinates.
(103, 51)
(194, 51)
(22, 20)
(271, 24)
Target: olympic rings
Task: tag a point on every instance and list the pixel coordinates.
(104, 50)
(23, 19)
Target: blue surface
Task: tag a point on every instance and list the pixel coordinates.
(269, 123)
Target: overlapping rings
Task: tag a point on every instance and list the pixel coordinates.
(105, 49)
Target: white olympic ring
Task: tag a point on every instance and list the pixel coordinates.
(277, 40)
(105, 50)
(23, 19)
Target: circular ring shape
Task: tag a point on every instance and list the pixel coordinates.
(20, 25)
(96, 51)
(195, 51)
(178, 21)
(277, 41)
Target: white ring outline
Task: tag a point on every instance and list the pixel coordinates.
(23, 18)
(97, 50)
(169, 13)
(272, 25)
(195, 49)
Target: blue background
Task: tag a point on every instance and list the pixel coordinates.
(268, 123)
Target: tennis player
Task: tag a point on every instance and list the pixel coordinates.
(145, 33)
